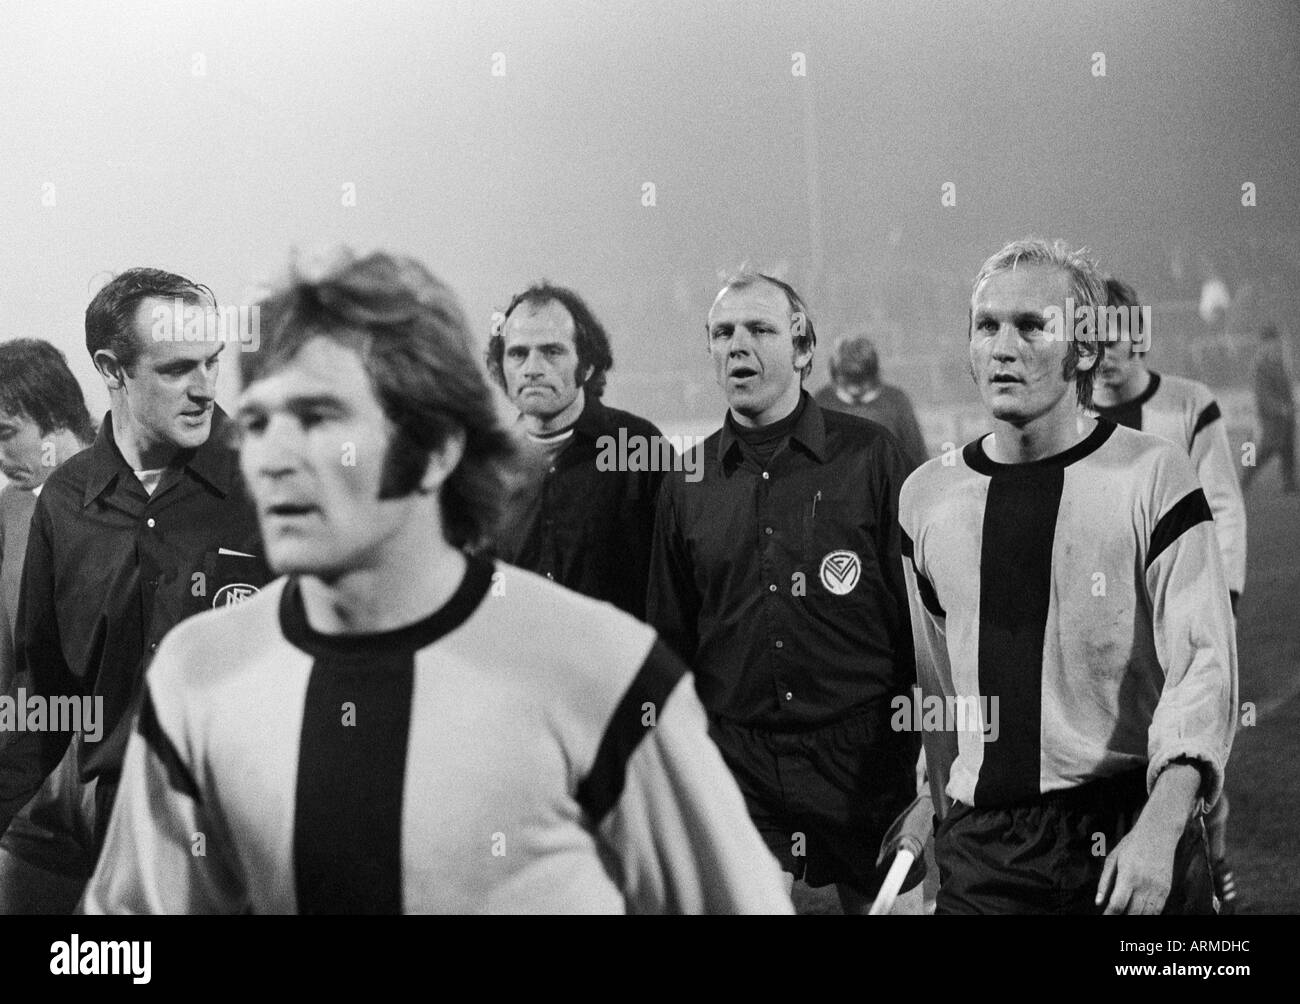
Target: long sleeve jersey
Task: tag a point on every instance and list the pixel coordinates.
(1073, 611)
(522, 749)
(1186, 413)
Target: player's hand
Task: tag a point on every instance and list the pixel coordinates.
(1140, 869)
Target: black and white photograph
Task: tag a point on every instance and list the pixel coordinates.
(554, 457)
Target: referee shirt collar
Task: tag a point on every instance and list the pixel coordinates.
(809, 432)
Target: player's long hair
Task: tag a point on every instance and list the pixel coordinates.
(1087, 287)
(410, 332)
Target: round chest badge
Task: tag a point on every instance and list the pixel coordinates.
(840, 572)
(236, 592)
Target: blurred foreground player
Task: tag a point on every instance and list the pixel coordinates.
(396, 726)
(1067, 590)
(1184, 412)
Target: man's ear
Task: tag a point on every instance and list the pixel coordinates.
(113, 372)
(442, 462)
(803, 350)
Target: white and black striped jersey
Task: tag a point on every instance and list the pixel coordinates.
(1185, 413)
(522, 749)
(1075, 609)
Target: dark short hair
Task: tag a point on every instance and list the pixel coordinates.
(35, 382)
(408, 328)
(747, 277)
(589, 337)
(1120, 294)
(110, 316)
(854, 360)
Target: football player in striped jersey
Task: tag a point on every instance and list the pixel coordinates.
(1065, 583)
(397, 725)
(1185, 412)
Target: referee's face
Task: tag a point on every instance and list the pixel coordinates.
(754, 359)
(1019, 370)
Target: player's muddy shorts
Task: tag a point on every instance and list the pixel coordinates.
(1046, 856)
(823, 798)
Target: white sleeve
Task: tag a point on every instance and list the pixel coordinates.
(1194, 638)
(680, 829)
(933, 673)
(1216, 470)
(163, 854)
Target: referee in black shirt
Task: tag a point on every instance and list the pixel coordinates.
(148, 526)
(778, 577)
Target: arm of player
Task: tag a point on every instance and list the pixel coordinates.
(680, 829)
(1195, 643)
(672, 604)
(29, 756)
(1192, 727)
(163, 853)
(933, 673)
(1216, 469)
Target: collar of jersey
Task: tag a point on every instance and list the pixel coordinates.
(464, 601)
(977, 460)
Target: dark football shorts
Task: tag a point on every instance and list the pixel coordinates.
(1046, 856)
(822, 799)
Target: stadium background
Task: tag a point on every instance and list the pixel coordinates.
(210, 137)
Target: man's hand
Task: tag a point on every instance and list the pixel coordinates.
(1141, 867)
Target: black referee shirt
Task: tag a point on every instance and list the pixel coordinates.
(586, 528)
(781, 585)
(109, 570)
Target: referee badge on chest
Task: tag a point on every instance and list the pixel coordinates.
(840, 571)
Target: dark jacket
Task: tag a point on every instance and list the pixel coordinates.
(109, 570)
(585, 520)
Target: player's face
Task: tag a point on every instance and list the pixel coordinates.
(1120, 367)
(314, 438)
(754, 358)
(540, 359)
(24, 457)
(1019, 370)
(171, 390)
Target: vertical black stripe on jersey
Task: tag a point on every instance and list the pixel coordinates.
(347, 832)
(1015, 591)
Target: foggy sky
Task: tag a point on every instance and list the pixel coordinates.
(496, 181)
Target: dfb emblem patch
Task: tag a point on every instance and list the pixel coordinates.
(236, 592)
(840, 572)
